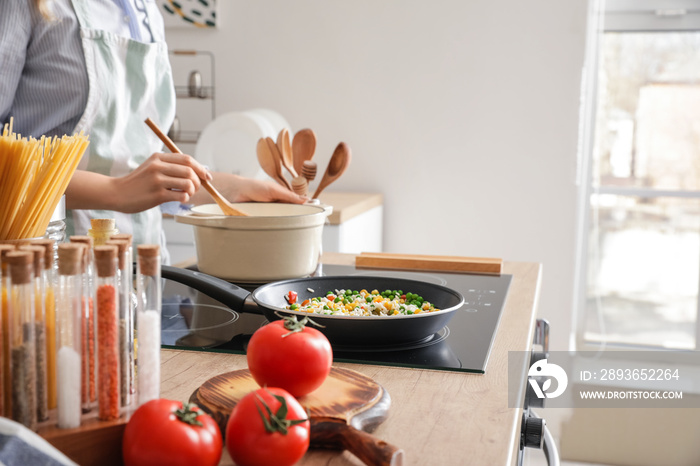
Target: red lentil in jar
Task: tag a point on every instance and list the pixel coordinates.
(108, 398)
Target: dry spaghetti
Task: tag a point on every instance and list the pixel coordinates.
(34, 174)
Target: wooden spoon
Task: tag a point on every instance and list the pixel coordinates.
(270, 161)
(303, 147)
(285, 148)
(336, 166)
(221, 201)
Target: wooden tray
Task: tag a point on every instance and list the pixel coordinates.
(342, 411)
(94, 443)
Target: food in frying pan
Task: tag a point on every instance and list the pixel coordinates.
(362, 303)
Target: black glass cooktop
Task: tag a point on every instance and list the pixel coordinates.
(195, 321)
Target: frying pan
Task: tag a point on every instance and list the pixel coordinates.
(270, 300)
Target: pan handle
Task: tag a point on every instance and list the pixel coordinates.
(227, 293)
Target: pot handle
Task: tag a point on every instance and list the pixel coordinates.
(227, 293)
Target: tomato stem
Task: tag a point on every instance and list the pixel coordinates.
(277, 422)
(293, 325)
(188, 415)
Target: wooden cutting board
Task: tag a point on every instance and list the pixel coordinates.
(342, 411)
(384, 260)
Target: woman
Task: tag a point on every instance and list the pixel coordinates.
(101, 66)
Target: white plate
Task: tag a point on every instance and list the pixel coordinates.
(228, 143)
(276, 120)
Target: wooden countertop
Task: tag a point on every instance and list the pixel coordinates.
(436, 417)
(349, 205)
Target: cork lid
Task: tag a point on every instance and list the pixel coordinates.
(106, 260)
(122, 247)
(48, 245)
(21, 270)
(5, 248)
(82, 239)
(149, 258)
(102, 224)
(38, 257)
(122, 236)
(70, 258)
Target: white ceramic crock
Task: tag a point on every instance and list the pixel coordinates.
(274, 242)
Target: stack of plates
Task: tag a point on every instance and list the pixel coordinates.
(228, 143)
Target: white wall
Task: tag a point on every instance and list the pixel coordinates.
(463, 113)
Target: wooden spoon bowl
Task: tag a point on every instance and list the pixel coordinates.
(270, 161)
(336, 166)
(303, 147)
(285, 149)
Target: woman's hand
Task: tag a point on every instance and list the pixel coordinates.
(240, 189)
(161, 178)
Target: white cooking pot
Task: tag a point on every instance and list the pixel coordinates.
(274, 242)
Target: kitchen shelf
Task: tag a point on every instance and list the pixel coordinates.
(185, 137)
(205, 93)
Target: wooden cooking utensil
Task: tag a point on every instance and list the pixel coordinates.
(308, 170)
(300, 185)
(285, 149)
(303, 147)
(336, 166)
(340, 410)
(269, 161)
(220, 200)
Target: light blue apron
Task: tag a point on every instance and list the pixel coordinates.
(128, 82)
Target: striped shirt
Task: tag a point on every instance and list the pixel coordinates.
(43, 79)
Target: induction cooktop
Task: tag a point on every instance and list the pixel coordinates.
(194, 321)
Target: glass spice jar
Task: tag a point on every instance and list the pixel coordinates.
(42, 401)
(126, 324)
(49, 279)
(102, 230)
(22, 338)
(88, 329)
(148, 290)
(107, 314)
(5, 383)
(69, 297)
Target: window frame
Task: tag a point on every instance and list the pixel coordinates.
(616, 16)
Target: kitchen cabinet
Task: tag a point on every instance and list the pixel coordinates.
(356, 224)
(436, 417)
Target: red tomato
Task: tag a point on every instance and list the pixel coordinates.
(292, 297)
(251, 443)
(165, 432)
(289, 355)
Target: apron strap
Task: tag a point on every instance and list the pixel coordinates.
(82, 11)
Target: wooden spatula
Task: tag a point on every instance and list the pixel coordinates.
(303, 147)
(341, 410)
(221, 201)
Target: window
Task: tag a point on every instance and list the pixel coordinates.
(639, 221)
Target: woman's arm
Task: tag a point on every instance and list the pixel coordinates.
(163, 178)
